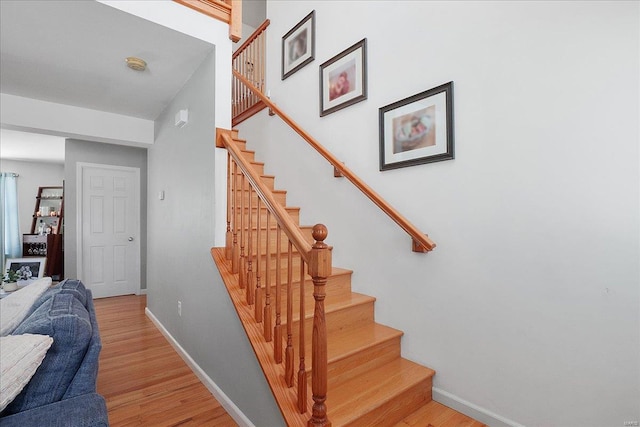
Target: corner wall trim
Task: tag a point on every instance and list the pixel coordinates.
(471, 410)
(216, 391)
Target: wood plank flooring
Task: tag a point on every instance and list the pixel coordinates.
(144, 381)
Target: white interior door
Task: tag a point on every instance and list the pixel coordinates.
(109, 229)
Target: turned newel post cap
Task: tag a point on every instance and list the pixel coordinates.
(319, 233)
(320, 263)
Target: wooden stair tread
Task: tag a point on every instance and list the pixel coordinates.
(349, 400)
(334, 305)
(252, 162)
(348, 341)
(351, 341)
(436, 414)
(335, 271)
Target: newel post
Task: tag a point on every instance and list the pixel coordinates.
(319, 270)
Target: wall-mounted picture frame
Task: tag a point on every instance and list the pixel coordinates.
(299, 45)
(418, 129)
(29, 268)
(343, 79)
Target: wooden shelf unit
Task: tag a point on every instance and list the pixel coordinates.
(49, 210)
(47, 227)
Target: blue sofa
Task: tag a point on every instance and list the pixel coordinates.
(62, 392)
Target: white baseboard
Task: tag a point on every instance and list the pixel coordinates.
(474, 411)
(224, 400)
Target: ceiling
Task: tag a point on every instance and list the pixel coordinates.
(73, 52)
(32, 147)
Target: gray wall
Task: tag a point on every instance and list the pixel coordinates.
(180, 268)
(32, 176)
(77, 151)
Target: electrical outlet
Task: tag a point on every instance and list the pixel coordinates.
(180, 308)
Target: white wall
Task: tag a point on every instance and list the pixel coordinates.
(528, 309)
(32, 176)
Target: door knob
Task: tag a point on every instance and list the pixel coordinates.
(130, 239)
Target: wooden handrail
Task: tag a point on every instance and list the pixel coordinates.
(280, 214)
(251, 38)
(421, 242)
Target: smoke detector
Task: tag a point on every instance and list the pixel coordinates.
(136, 63)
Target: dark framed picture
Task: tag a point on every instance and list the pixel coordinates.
(418, 129)
(299, 45)
(343, 79)
(29, 268)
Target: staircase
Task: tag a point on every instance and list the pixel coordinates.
(368, 383)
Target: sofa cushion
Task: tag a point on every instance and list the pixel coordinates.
(15, 307)
(88, 410)
(74, 287)
(67, 286)
(67, 321)
(20, 356)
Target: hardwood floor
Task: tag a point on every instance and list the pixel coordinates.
(146, 383)
(142, 378)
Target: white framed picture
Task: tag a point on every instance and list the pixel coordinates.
(30, 268)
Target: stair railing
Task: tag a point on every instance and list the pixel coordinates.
(253, 216)
(420, 241)
(249, 60)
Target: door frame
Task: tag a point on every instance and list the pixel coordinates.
(80, 167)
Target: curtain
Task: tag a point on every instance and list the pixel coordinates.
(9, 224)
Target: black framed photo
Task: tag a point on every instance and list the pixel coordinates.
(343, 79)
(418, 129)
(299, 45)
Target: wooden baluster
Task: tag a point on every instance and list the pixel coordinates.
(268, 325)
(242, 88)
(228, 236)
(238, 94)
(247, 92)
(258, 305)
(258, 73)
(302, 374)
(261, 41)
(254, 98)
(252, 58)
(234, 94)
(319, 270)
(277, 329)
(250, 274)
(242, 277)
(235, 250)
(289, 356)
(248, 75)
